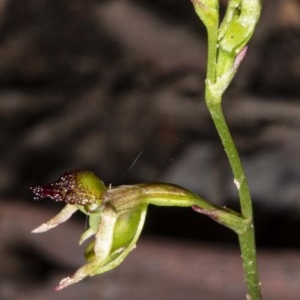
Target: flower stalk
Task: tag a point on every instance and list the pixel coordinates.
(227, 46)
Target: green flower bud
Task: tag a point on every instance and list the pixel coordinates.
(234, 33)
(238, 24)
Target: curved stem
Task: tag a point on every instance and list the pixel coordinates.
(240, 180)
(213, 97)
(247, 238)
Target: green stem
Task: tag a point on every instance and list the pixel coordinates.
(239, 176)
(247, 238)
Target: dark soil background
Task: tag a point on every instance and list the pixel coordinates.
(117, 87)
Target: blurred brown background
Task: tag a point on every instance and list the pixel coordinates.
(118, 87)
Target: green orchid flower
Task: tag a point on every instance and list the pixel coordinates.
(117, 215)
